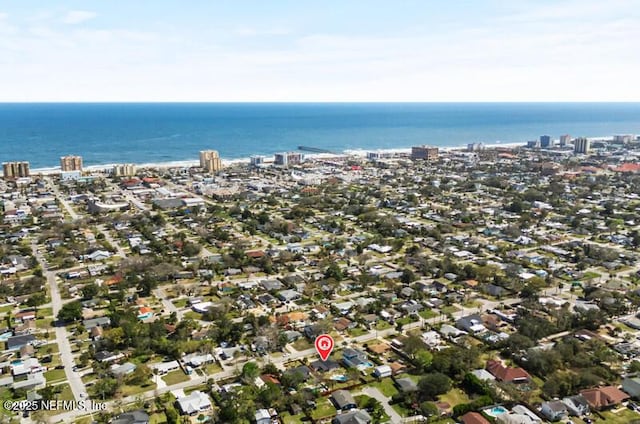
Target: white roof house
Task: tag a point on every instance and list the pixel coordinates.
(195, 402)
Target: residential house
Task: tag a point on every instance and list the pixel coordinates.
(554, 410)
(576, 405)
(106, 356)
(507, 374)
(301, 370)
(122, 370)
(471, 324)
(382, 371)
(98, 255)
(473, 418)
(342, 324)
(632, 386)
(406, 385)
(194, 403)
(163, 368)
(16, 342)
(103, 322)
(288, 295)
(604, 397)
(343, 400)
(353, 358)
(324, 366)
(134, 417)
(353, 417)
(262, 416)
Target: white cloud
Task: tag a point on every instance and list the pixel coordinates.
(75, 17)
(524, 54)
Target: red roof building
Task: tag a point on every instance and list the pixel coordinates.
(507, 374)
(473, 418)
(604, 397)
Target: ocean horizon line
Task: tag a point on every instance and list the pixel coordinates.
(316, 102)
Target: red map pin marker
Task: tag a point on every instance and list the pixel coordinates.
(324, 346)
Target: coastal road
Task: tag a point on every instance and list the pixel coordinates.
(167, 304)
(62, 198)
(62, 336)
(112, 242)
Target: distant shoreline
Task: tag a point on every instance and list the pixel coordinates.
(361, 152)
(187, 163)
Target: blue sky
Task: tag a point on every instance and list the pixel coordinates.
(403, 50)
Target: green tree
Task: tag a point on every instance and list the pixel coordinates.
(250, 371)
(434, 384)
(106, 387)
(36, 300)
(70, 312)
(89, 291)
(140, 375)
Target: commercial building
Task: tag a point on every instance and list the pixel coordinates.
(124, 170)
(581, 145)
(13, 170)
(545, 141)
(379, 154)
(71, 163)
(424, 152)
(475, 147)
(256, 160)
(564, 140)
(289, 158)
(210, 161)
(623, 138)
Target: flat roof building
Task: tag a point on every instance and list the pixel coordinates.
(71, 163)
(424, 152)
(124, 170)
(210, 161)
(581, 145)
(14, 170)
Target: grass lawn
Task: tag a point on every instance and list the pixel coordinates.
(6, 309)
(44, 323)
(301, 344)
(386, 387)
(355, 332)
(323, 409)
(291, 419)
(201, 387)
(180, 303)
(625, 416)
(213, 368)
(66, 393)
(382, 325)
(449, 309)
(406, 320)
(454, 397)
(427, 314)
(54, 376)
(50, 348)
(88, 378)
(84, 420)
(175, 377)
(404, 412)
(134, 390)
(589, 275)
(44, 312)
(193, 315)
(157, 418)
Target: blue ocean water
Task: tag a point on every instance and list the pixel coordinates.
(160, 132)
